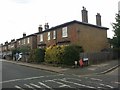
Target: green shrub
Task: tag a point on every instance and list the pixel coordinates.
(63, 54)
(31, 56)
(39, 55)
(53, 54)
(71, 54)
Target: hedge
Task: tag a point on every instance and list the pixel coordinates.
(37, 55)
(63, 54)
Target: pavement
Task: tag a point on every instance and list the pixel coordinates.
(88, 70)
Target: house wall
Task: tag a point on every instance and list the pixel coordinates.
(92, 39)
(32, 42)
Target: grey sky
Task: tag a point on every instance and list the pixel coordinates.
(18, 16)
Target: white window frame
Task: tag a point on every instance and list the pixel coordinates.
(9, 46)
(24, 41)
(48, 35)
(64, 32)
(28, 40)
(41, 37)
(54, 34)
(5, 48)
(19, 42)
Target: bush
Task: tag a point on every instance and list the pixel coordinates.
(31, 56)
(53, 54)
(71, 54)
(63, 54)
(39, 55)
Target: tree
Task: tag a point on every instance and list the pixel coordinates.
(116, 29)
(116, 39)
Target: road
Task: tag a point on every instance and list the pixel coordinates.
(22, 77)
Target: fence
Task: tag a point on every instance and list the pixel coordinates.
(98, 57)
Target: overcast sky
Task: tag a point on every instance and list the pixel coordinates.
(18, 16)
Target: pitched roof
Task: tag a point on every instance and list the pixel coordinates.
(72, 22)
(27, 36)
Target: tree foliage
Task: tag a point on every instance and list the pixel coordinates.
(65, 55)
(116, 29)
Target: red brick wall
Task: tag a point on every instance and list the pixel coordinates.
(92, 39)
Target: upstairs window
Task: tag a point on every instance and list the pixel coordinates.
(28, 40)
(64, 32)
(24, 41)
(41, 37)
(48, 35)
(54, 34)
(19, 42)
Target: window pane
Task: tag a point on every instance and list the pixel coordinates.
(28, 40)
(54, 34)
(24, 41)
(64, 32)
(48, 35)
(41, 37)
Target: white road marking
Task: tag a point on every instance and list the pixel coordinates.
(10, 81)
(61, 84)
(99, 87)
(74, 79)
(14, 80)
(45, 85)
(64, 80)
(29, 86)
(117, 82)
(95, 79)
(106, 85)
(33, 78)
(109, 86)
(35, 85)
(18, 87)
(64, 85)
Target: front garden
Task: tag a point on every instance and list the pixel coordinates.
(55, 55)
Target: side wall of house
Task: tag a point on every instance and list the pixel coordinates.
(92, 39)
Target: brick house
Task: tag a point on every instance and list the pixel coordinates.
(4, 49)
(12, 45)
(93, 38)
(29, 41)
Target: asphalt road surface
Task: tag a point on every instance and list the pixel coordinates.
(22, 78)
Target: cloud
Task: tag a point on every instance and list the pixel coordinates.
(22, 1)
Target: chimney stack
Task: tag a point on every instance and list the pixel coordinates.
(6, 42)
(98, 19)
(46, 26)
(12, 40)
(40, 28)
(24, 34)
(84, 15)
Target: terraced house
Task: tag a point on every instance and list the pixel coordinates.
(92, 38)
(29, 41)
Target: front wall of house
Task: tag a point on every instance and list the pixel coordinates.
(33, 42)
(24, 42)
(92, 39)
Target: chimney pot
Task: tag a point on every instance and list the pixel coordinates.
(12, 40)
(24, 34)
(98, 19)
(84, 15)
(40, 28)
(6, 42)
(46, 26)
